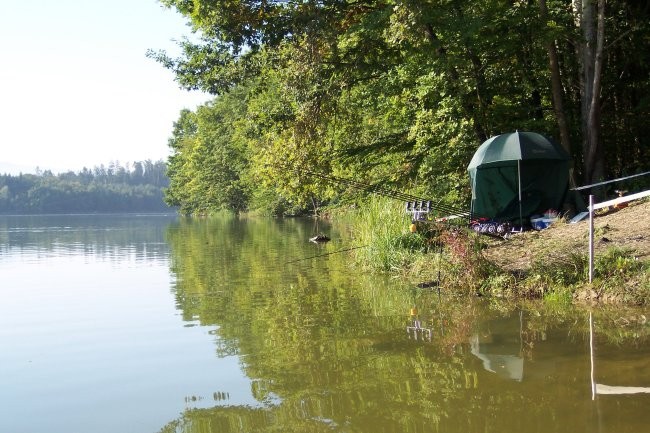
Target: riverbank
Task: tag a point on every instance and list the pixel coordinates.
(551, 264)
(622, 256)
(626, 228)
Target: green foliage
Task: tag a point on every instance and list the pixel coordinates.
(207, 169)
(560, 269)
(616, 262)
(397, 94)
(619, 277)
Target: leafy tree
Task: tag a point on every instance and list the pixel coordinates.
(209, 163)
(401, 92)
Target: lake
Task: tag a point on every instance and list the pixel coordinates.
(157, 323)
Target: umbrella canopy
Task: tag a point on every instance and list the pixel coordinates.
(517, 174)
(517, 146)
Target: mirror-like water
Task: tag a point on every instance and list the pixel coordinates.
(158, 324)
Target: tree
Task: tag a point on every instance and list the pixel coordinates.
(590, 16)
(85, 191)
(209, 164)
(401, 92)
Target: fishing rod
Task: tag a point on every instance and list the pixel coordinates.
(417, 205)
(378, 189)
(390, 193)
(381, 190)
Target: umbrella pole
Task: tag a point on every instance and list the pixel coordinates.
(521, 224)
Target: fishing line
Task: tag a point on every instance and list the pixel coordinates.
(326, 254)
(381, 190)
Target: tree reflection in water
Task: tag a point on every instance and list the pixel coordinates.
(325, 347)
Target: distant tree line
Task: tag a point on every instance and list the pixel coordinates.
(136, 187)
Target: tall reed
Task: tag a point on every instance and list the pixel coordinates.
(383, 227)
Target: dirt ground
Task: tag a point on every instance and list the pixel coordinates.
(628, 228)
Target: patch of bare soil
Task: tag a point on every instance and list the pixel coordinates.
(628, 228)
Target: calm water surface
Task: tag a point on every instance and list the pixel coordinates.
(162, 324)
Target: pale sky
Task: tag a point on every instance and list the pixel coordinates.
(76, 88)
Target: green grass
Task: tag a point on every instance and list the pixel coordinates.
(382, 225)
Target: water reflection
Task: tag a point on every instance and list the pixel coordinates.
(643, 375)
(114, 237)
(227, 326)
(416, 331)
(325, 346)
(499, 346)
(328, 348)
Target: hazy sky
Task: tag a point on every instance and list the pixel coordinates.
(76, 88)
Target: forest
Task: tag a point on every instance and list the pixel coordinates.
(136, 187)
(398, 93)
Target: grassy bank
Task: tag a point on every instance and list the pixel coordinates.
(551, 264)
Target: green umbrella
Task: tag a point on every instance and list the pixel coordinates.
(517, 174)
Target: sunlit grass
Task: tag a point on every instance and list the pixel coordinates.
(383, 227)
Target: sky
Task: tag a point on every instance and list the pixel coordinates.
(76, 89)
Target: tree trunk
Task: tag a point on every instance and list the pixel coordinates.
(557, 92)
(595, 155)
(591, 18)
(556, 86)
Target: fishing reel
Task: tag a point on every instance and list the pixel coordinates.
(418, 209)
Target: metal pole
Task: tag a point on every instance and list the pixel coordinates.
(591, 238)
(519, 179)
(591, 356)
